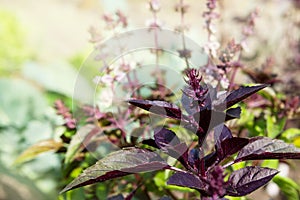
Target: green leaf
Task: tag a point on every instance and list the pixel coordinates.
(246, 118)
(180, 189)
(78, 141)
(74, 195)
(239, 165)
(13, 186)
(288, 187)
(290, 134)
(20, 103)
(235, 198)
(14, 51)
(270, 163)
(37, 149)
(160, 179)
(274, 126)
(296, 142)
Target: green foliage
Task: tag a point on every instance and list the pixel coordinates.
(14, 186)
(288, 187)
(21, 99)
(292, 135)
(14, 49)
(236, 198)
(274, 126)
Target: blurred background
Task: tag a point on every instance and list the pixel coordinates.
(43, 44)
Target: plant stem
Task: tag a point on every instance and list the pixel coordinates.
(156, 48)
(182, 33)
(231, 83)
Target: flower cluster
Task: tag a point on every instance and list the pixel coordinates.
(64, 111)
(248, 30)
(113, 22)
(154, 23)
(212, 46)
(195, 90)
(93, 113)
(217, 183)
(229, 52)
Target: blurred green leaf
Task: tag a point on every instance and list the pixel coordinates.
(102, 190)
(38, 148)
(268, 93)
(235, 198)
(20, 102)
(14, 50)
(73, 195)
(288, 187)
(179, 188)
(274, 126)
(290, 134)
(14, 186)
(78, 140)
(270, 163)
(160, 179)
(246, 117)
(297, 142)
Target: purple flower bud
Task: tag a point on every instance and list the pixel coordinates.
(195, 90)
(62, 110)
(217, 183)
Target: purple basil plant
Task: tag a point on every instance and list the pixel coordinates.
(207, 172)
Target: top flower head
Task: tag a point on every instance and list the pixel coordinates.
(195, 90)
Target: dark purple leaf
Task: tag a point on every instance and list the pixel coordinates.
(194, 157)
(191, 106)
(186, 102)
(233, 113)
(179, 151)
(208, 119)
(210, 159)
(117, 164)
(226, 145)
(188, 180)
(150, 142)
(230, 146)
(162, 108)
(265, 148)
(167, 140)
(132, 193)
(248, 179)
(116, 197)
(238, 95)
(221, 133)
(224, 148)
(203, 119)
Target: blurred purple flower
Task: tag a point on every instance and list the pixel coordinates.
(62, 110)
(154, 5)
